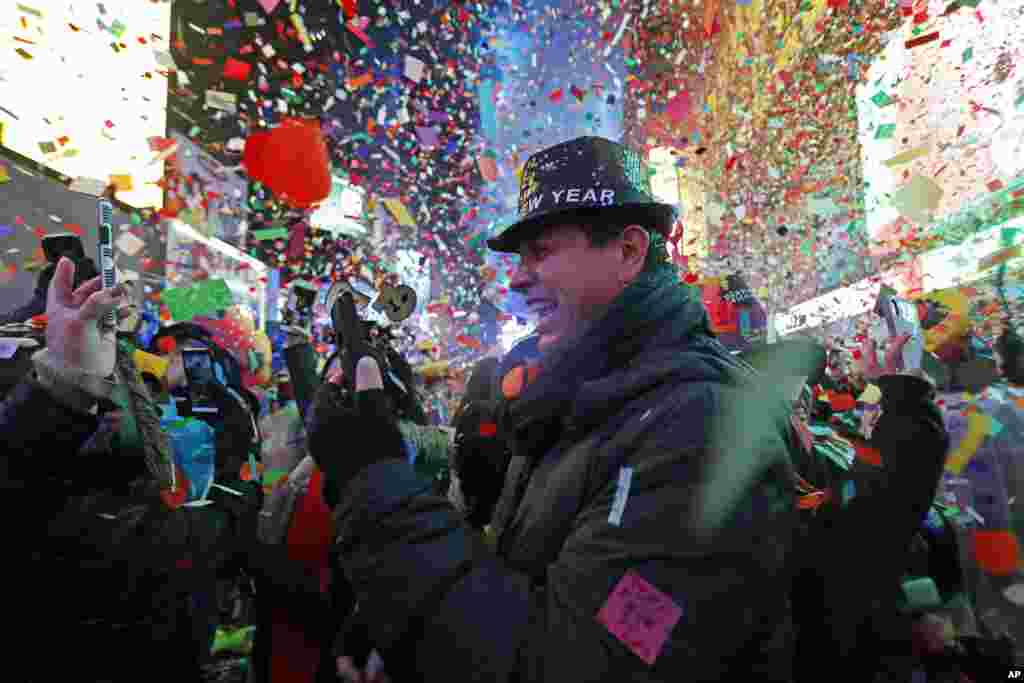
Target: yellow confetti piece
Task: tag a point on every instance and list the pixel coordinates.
(908, 156)
(154, 365)
(123, 183)
(398, 210)
(979, 425)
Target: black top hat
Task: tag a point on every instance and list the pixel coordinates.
(581, 175)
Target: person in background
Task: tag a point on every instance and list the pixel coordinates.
(95, 507)
(857, 546)
(646, 525)
(296, 624)
(85, 270)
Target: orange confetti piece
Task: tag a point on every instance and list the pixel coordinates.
(813, 501)
(360, 81)
(246, 472)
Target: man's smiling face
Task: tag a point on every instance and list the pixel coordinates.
(568, 283)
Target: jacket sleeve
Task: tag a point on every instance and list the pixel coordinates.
(35, 306)
(410, 561)
(912, 440)
(39, 432)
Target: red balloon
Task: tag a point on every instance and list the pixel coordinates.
(292, 161)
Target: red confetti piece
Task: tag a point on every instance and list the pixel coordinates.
(922, 40)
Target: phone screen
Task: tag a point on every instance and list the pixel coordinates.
(200, 374)
(906, 321)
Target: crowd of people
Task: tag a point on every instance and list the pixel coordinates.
(628, 500)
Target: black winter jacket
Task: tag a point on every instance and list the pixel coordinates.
(614, 480)
(105, 570)
(855, 555)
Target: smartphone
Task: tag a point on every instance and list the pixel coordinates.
(199, 372)
(63, 244)
(105, 253)
(908, 322)
(901, 318)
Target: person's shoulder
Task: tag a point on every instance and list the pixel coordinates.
(713, 408)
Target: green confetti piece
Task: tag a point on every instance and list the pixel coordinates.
(881, 99)
(885, 131)
(201, 299)
(968, 53)
(30, 10)
(118, 29)
(270, 234)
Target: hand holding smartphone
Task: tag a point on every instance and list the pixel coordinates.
(901, 318)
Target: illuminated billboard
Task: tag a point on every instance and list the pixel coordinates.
(940, 269)
(81, 92)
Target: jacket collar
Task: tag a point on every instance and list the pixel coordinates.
(655, 331)
(667, 358)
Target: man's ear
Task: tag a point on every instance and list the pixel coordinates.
(635, 243)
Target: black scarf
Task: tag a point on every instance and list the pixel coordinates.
(645, 306)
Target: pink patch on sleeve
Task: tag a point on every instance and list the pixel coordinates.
(640, 616)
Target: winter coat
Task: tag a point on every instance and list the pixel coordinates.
(857, 547)
(296, 625)
(607, 567)
(110, 568)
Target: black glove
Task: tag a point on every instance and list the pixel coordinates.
(341, 424)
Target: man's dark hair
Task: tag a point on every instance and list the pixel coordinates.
(606, 225)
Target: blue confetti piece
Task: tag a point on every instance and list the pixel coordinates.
(488, 118)
(849, 491)
(6, 231)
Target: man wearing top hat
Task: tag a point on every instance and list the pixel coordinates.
(647, 515)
